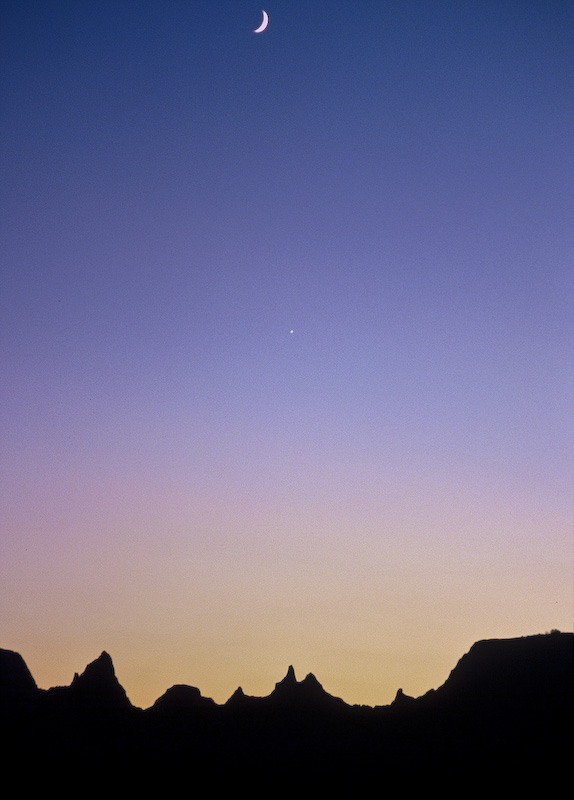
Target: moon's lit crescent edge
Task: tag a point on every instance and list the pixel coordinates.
(264, 23)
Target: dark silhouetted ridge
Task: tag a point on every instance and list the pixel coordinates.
(288, 684)
(96, 688)
(402, 700)
(182, 698)
(237, 698)
(505, 671)
(240, 700)
(308, 692)
(504, 718)
(17, 686)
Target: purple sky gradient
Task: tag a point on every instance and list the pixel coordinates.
(194, 488)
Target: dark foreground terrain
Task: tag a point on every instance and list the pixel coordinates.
(501, 723)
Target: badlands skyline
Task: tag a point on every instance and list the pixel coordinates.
(286, 339)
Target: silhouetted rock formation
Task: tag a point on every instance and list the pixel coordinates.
(17, 686)
(238, 698)
(505, 671)
(402, 700)
(292, 693)
(288, 684)
(96, 688)
(182, 698)
(15, 677)
(503, 717)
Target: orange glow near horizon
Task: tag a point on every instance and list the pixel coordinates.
(286, 339)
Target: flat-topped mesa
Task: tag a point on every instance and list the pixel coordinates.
(506, 671)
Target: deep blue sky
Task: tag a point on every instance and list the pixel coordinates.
(390, 181)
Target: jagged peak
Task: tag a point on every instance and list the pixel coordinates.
(99, 680)
(402, 699)
(239, 698)
(290, 674)
(100, 670)
(103, 661)
(311, 680)
(290, 691)
(288, 681)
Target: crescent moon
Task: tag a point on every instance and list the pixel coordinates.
(264, 24)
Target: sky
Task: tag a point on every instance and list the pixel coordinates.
(286, 338)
